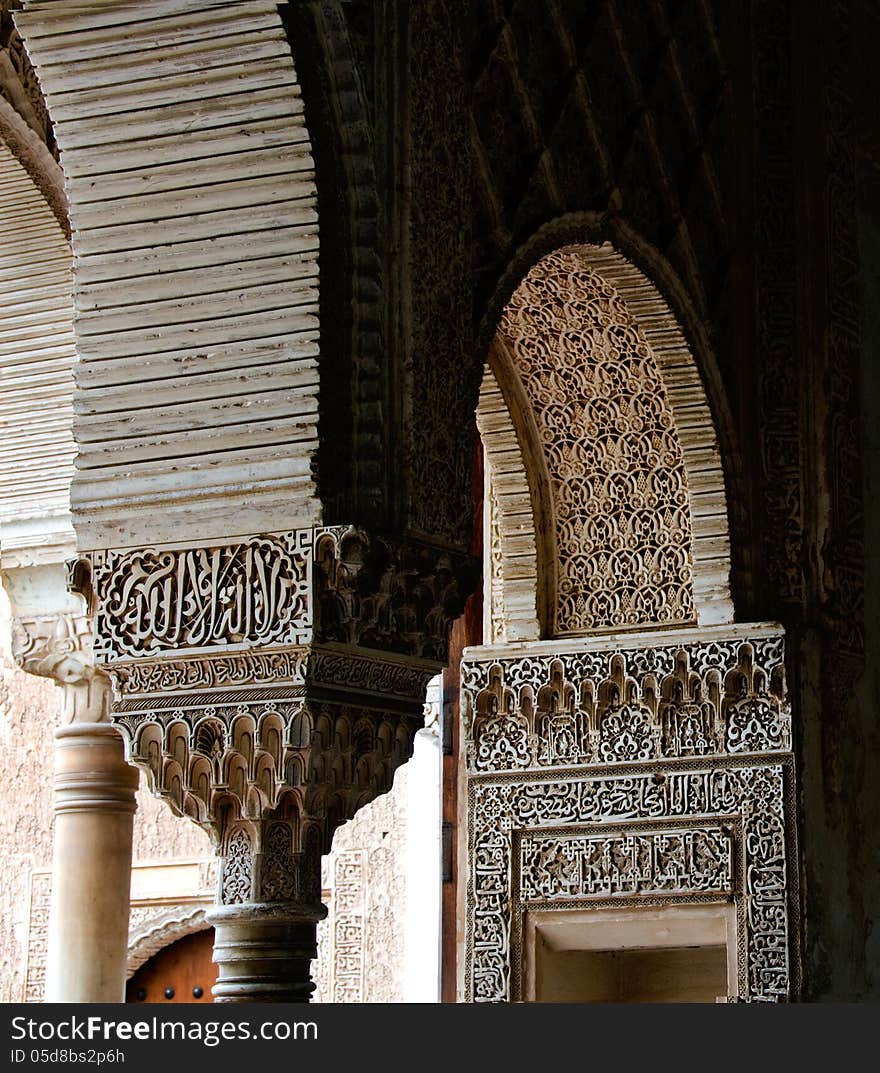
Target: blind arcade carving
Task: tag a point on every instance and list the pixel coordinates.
(633, 774)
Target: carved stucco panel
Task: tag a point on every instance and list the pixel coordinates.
(752, 808)
(622, 704)
(636, 774)
(619, 487)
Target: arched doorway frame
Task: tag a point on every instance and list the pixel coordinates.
(527, 801)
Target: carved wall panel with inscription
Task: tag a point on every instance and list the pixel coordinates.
(651, 772)
(271, 686)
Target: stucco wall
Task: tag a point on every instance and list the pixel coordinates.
(28, 707)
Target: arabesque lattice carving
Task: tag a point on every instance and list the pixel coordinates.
(618, 481)
(636, 774)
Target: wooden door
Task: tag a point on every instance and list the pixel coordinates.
(181, 972)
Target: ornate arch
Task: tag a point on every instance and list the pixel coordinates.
(354, 361)
(161, 929)
(648, 544)
(193, 209)
(516, 604)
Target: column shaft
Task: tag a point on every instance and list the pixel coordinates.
(91, 866)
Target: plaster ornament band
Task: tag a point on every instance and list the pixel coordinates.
(696, 693)
(615, 865)
(278, 591)
(643, 770)
(155, 601)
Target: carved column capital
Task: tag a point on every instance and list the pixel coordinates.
(60, 647)
(52, 637)
(271, 685)
(310, 648)
(55, 646)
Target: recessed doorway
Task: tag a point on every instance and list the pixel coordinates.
(675, 953)
(183, 971)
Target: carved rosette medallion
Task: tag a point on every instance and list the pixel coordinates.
(642, 773)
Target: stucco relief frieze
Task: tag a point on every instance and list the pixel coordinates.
(253, 592)
(639, 773)
(168, 675)
(624, 864)
(618, 706)
(338, 585)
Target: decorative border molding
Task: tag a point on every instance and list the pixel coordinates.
(349, 924)
(758, 796)
(159, 929)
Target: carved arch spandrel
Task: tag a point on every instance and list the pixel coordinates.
(661, 401)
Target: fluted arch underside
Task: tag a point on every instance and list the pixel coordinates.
(37, 357)
(628, 478)
(193, 214)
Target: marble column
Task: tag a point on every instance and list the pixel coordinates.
(91, 865)
(94, 793)
(264, 952)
